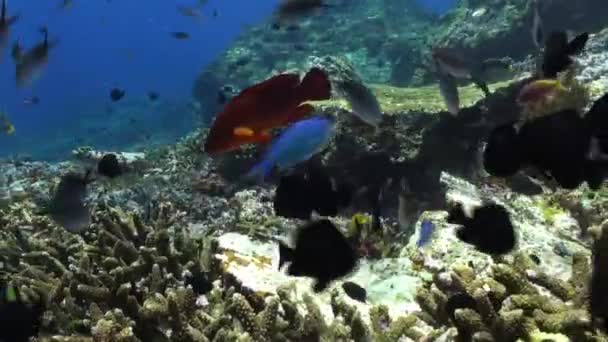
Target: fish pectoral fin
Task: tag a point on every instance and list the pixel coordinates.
(300, 112)
(243, 132)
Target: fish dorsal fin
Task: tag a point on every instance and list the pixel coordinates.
(3, 13)
(281, 81)
(577, 44)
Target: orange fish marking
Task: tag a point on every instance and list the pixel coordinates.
(250, 116)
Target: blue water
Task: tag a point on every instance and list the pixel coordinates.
(122, 43)
(436, 7)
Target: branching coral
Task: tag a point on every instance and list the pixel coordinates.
(510, 303)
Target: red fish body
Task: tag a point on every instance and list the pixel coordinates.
(276, 102)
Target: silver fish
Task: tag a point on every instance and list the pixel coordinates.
(449, 91)
(538, 32)
(67, 207)
(451, 62)
(363, 102)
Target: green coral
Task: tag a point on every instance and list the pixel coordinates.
(550, 211)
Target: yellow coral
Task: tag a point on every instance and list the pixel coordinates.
(395, 100)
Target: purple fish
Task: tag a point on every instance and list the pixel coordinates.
(426, 233)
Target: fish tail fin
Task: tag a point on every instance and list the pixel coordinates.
(260, 171)
(44, 30)
(577, 45)
(315, 86)
(16, 52)
(285, 254)
(481, 84)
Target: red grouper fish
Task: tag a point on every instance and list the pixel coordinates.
(276, 102)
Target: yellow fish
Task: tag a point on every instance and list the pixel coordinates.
(7, 126)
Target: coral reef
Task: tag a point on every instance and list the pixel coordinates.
(514, 300)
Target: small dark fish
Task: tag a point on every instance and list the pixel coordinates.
(117, 94)
(534, 258)
(5, 24)
(109, 166)
(460, 300)
(321, 252)
(427, 228)
(289, 9)
(315, 192)
(67, 207)
(354, 291)
(153, 96)
(28, 63)
(275, 26)
(598, 299)
(503, 155)
(562, 250)
(132, 121)
(559, 52)
(34, 100)
(221, 97)
(215, 13)
(570, 148)
(189, 11)
(199, 281)
(65, 4)
(489, 229)
(180, 35)
(19, 321)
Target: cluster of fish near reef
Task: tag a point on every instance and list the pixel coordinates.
(95, 272)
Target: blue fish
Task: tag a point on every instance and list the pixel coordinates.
(426, 233)
(296, 144)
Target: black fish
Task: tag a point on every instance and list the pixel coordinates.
(109, 166)
(460, 300)
(5, 23)
(559, 52)
(557, 144)
(153, 96)
(221, 97)
(199, 281)
(116, 94)
(299, 194)
(321, 252)
(489, 229)
(560, 145)
(296, 8)
(354, 291)
(598, 299)
(534, 258)
(180, 35)
(29, 62)
(19, 321)
(67, 206)
(502, 156)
